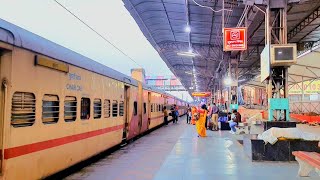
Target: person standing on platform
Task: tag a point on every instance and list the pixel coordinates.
(214, 117)
(188, 115)
(226, 106)
(209, 108)
(176, 112)
(200, 124)
(173, 114)
(166, 114)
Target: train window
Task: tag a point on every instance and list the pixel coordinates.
(114, 108)
(135, 106)
(70, 108)
(97, 109)
(85, 108)
(151, 107)
(23, 109)
(159, 108)
(144, 108)
(121, 108)
(50, 109)
(106, 108)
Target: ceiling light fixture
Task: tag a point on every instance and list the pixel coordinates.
(227, 81)
(187, 29)
(189, 54)
(241, 80)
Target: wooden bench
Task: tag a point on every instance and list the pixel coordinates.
(242, 127)
(308, 161)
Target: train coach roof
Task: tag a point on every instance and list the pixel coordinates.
(19, 37)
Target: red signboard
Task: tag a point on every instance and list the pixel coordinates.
(235, 39)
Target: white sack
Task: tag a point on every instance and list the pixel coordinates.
(271, 135)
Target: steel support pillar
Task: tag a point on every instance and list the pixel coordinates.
(276, 33)
(233, 95)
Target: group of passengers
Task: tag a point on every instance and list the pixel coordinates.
(206, 117)
(173, 112)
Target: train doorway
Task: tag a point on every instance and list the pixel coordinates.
(149, 108)
(3, 94)
(126, 111)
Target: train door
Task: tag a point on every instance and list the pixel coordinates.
(126, 111)
(4, 56)
(140, 107)
(1, 113)
(149, 108)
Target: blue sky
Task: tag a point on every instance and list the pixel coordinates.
(109, 17)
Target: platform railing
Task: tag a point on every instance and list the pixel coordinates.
(300, 107)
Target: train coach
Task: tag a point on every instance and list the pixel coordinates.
(58, 108)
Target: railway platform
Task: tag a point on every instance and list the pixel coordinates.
(174, 152)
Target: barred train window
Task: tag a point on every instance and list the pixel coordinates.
(114, 108)
(97, 108)
(23, 109)
(106, 108)
(135, 108)
(144, 108)
(151, 107)
(85, 108)
(121, 108)
(159, 107)
(50, 109)
(70, 108)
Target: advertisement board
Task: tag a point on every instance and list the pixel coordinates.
(308, 88)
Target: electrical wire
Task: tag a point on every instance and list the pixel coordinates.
(211, 7)
(100, 35)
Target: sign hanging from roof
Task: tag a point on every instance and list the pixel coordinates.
(235, 39)
(201, 94)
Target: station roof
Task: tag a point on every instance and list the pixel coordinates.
(163, 23)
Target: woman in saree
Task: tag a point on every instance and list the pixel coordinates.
(200, 124)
